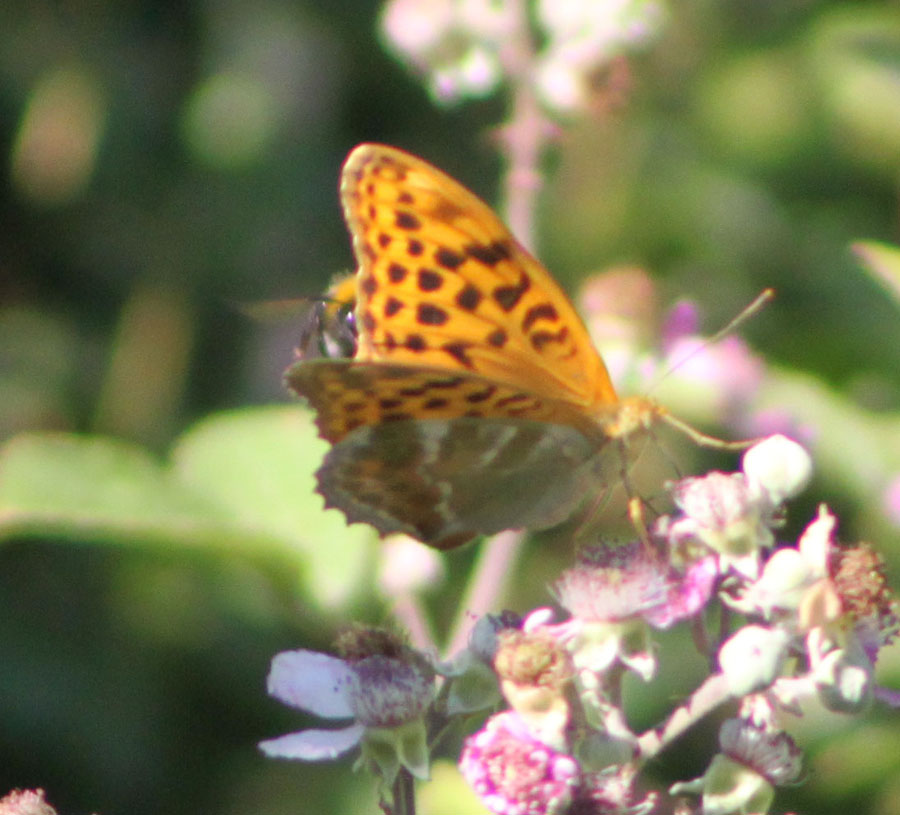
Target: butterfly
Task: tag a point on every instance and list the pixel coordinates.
(474, 401)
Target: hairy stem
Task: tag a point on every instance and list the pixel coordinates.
(487, 585)
(521, 141)
(526, 134)
(404, 794)
(712, 693)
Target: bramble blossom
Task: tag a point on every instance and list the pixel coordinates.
(615, 592)
(459, 46)
(742, 778)
(513, 773)
(733, 514)
(386, 694)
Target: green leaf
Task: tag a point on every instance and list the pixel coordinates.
(258, 466)
(240, 482)
(95, 489)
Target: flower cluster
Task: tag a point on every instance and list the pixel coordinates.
(462, 47)
(815, 616)
(811, 618)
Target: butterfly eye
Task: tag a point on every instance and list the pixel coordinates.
(327, 330)
(339, 335)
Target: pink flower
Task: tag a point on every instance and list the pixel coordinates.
(892, 501)
(515, 774)
(732, 514)
(616, 583)
(615, 592)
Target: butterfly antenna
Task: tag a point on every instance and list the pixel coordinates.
(759, 302)
(698, 437)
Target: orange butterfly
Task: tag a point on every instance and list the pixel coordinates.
(475, 401)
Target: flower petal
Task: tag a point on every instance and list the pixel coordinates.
(317, 683)
(314, 745)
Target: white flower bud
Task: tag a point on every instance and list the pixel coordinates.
(778, 466)
(751, 658)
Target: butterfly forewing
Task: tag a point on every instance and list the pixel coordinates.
(443, 283)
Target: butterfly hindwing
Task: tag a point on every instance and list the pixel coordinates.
(446, 481)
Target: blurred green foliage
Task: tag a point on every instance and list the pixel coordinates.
(168, 164)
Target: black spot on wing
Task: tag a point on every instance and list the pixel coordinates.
(407, 221)
(458, 350)
(392, 306)
(397, 273)
(545, 311)
(429, 314)
(449, 259)
(482, 395)
(497, 338)
(508, 297)
(506, 401)
(539, 339)
(488, 254)
(469, 297)
(430, 280)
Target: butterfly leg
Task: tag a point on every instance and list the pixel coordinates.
(585, 530)
(636, 516)
(637, 504)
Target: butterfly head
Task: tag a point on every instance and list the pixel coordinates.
(328, 329)
(633, 415)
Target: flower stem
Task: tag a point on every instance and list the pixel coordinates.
(712, 693)
(487, 585)
(404, 794)
(521, 142)
(526, 134)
